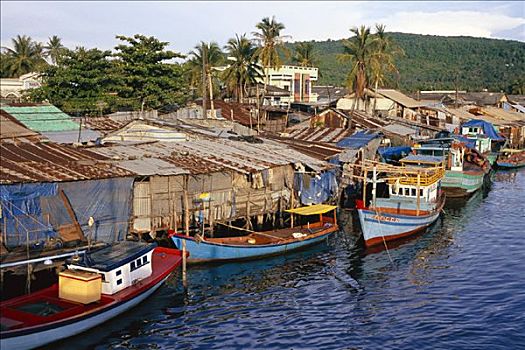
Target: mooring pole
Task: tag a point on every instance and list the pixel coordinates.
(187, 230)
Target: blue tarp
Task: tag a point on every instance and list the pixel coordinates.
(358, 139)
(390, 152)
(36, 211)
(488, 128)
(22, 216)
(470, 143)
(316, 189)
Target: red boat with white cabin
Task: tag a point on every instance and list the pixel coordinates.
(92, 290)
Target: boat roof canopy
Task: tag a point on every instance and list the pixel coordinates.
(312, 209)
(422, 159)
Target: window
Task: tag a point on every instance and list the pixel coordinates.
(144, 259)
(407, 192)
(132, 265)
(421, 192)
(413, 192)
(119, 281)
(118, 273)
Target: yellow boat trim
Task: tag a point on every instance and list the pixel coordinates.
(510, 150)
(312, 209)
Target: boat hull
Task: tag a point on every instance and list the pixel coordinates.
(461, 184)
(507, 165)
(378, 227)
(200, 252)
(40, 338)
(78, 318)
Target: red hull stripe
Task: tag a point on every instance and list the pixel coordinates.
(379, 240)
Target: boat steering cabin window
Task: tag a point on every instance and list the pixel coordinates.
(118, 273)
(413, 192)
(119, 281)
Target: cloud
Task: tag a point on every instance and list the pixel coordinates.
(452, 23)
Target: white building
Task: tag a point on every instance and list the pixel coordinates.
(12, 89)
(295, 79)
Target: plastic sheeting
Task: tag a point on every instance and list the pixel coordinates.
(316, 189)
(390, 154)
(108, 201)
(487, 127)
(21, 214)
(34, 213)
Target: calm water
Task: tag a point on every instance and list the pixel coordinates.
(459, 286)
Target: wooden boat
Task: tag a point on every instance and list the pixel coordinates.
(409, 201)
(90, 291)
(262, 244)
(511, 158)
(465, 167)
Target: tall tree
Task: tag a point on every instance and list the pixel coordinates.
(54, 49)
(383, 57)
(83, 79)
(358, 51)
(24, 57)
(144, 73)
(305, 55)
(203, 59)
(242, 69)
(270, 40)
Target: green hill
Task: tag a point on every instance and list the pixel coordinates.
(434, 62)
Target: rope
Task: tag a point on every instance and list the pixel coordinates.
(382, 236)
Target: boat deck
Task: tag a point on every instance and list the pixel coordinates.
(45, 307)
(277, 236)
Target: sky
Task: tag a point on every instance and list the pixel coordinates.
(185, 23)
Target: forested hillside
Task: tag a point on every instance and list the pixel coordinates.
(436, 62)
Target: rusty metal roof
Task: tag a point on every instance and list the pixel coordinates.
(12, 128)
(49, 162)
(103, 124)
(329, 135)
(205, 156)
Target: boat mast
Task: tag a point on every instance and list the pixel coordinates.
(374, 185)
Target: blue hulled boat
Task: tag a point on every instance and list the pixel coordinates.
(262, 244)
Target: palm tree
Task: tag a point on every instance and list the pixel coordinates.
(305, 55)
(269, 40)
(358, 50)
(243, 69)
(54, 49)
(26, 56)
(204, 58)
(384, 53)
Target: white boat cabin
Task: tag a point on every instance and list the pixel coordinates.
(121, 265)
(426, 193)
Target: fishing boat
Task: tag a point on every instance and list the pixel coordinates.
(484, 138)
(404, 200)
(93, 289)
(262, 244)
(511, 158)
(465, 166)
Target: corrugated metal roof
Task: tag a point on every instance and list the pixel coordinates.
(414, 158)
(329, 135)
(205, 156)
(103, 124)
(71, 136)
(11, 128)
(50, 162)
(42, 118)
(400, 98)
(399, 129)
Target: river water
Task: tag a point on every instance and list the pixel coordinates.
(461, 285)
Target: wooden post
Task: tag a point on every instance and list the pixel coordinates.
(292, 201)
(374, 186)
(364, 187)
(187, 229)
(417, 190)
